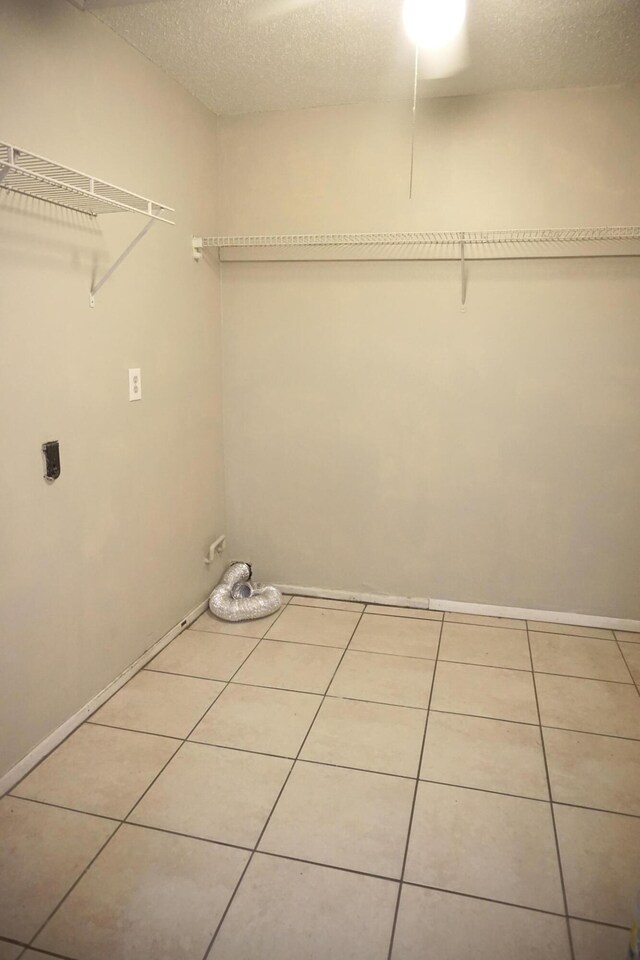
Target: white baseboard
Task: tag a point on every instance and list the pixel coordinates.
(24, 766)
(461, 606)
(548, 616)
(419, 603)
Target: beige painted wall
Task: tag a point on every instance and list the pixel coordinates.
(99, 565)
(378, 439)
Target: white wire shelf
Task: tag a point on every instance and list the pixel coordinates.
(34, 176)
(31, 175)
(550, 235)
(462, 245)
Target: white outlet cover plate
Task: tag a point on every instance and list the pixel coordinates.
(135, 383)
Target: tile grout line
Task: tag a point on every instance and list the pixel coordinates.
(406, 616)
(576, 676)
(517, 906)
(46, 953)
(321, 763)
(62, 806)
(207, 952)
(307, 643)
(545, 726)
(404, 656)
(415, 797)
(561, 633)
(321, 646)
(146, 733)
(386, 703)
(551, 809)
(162, 769)
(215, 633)
(633, 679)
(321, 606)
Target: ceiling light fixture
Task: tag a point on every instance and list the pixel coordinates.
(432, 24)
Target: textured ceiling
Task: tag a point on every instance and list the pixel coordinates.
(240, 56)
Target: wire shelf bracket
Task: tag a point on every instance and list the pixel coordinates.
(463, 276)
(462, 245)
(116, 263)
(31, 175)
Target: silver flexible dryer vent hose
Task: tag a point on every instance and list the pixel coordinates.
(237, 598)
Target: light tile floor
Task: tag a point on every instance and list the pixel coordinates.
(340, 782)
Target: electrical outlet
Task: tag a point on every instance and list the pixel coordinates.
(135, 384)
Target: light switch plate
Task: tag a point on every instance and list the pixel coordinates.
(135, 383)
